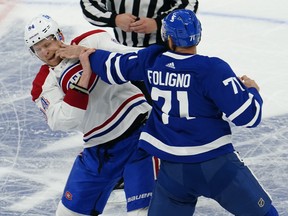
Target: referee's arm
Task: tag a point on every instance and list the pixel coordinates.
(96, 13)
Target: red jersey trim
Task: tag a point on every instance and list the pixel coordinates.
(76, 99)
(39, 82)
(115, 114)
(81, 37)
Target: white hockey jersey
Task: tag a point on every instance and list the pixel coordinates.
(103, 115)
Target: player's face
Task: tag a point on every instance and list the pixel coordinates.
(46, 49)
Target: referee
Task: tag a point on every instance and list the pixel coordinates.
(136, 23)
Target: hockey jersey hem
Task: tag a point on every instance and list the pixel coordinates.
(186, 154)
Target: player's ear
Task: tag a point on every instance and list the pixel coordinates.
(171, 44)
(61, 36)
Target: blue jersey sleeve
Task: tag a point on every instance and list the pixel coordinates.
(241, 105)
(102, 62)
(119, 68)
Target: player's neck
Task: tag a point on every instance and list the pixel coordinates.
(186, 50)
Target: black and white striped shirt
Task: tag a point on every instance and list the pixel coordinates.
(102, 13)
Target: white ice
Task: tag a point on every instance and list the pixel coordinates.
(35, 162)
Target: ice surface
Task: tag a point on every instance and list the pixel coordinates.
(35, 162)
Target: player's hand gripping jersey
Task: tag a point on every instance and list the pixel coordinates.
(103, 115)
(186, 124)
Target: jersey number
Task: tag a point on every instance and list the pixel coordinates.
(234, 82)
(182, 98)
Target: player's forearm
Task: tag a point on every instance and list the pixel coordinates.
(87, 71)
(84, 80)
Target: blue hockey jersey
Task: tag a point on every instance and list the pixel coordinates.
(194, 98)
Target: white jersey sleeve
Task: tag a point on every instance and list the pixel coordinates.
(60, 110)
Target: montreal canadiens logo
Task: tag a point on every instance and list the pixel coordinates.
(72, 74)
(68, 195)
